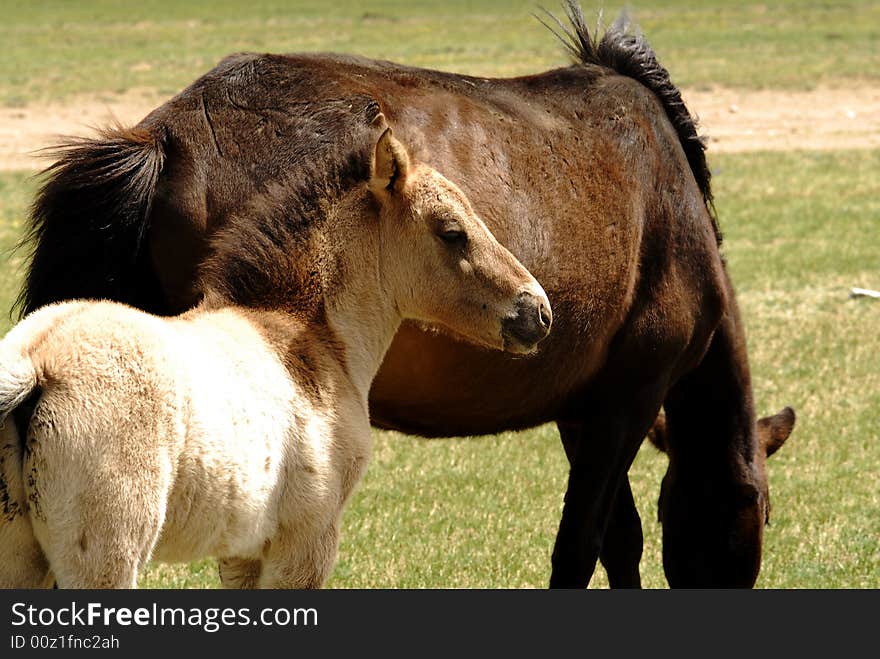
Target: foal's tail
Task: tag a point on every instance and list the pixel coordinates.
(89, 219)
(18, 382)
(22, 562)
(18, 373)
(18, 379)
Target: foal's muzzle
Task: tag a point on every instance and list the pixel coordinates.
(530, 323)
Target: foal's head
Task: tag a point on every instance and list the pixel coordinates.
(442, 262)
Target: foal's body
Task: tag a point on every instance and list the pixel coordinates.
(238, 430)
(182, 438)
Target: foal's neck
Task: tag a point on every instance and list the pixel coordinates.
(356, 305)
(361, 309)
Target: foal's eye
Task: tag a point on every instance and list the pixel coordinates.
(453, 237)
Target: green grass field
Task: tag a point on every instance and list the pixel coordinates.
(54, 48)
(801, 229)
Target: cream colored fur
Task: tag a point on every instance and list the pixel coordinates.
(190, 427)
(179, 438)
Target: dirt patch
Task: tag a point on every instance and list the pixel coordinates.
(733, 120)
(24, 131)
(822, 119)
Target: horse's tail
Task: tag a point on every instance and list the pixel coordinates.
(89, 219)
(629, 54)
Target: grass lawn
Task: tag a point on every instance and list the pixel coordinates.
(53, 48)
(801, 229)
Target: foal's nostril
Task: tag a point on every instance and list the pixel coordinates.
(545, 317)
(529, 324)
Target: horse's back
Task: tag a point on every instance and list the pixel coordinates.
(526, 151)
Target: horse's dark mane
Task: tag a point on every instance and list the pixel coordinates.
(629, 54)
(266, 253)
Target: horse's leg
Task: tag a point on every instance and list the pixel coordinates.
(242, 573)
(622, 545)
(614, 425)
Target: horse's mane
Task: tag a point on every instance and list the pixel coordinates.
(627, 52)
(267, 254)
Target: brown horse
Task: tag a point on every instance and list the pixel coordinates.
(592, 175)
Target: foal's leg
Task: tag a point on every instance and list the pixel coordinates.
(300, 558)
(623, 542)
(22, 563)
(102, 547)
(303, 553)
(97, 526)
(241, 573)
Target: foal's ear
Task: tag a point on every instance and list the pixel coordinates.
(774, 430)
(390, 165)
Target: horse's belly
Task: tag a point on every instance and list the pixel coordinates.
(436, 386)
